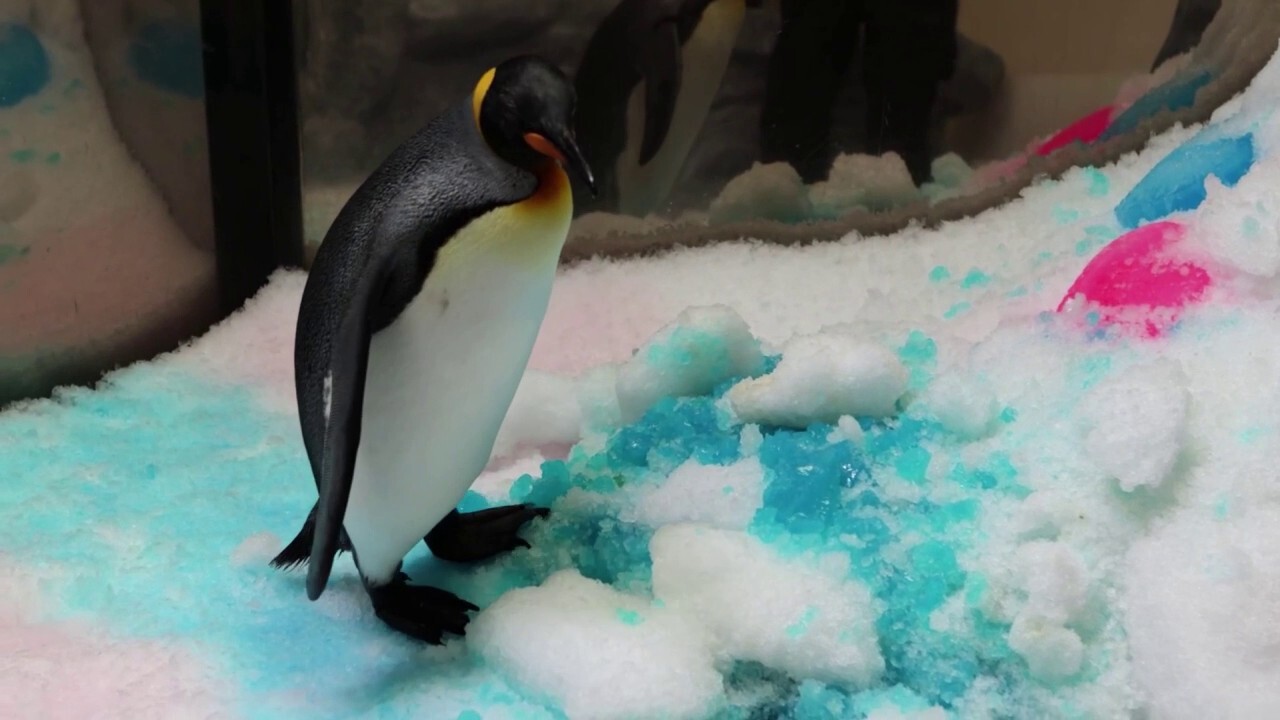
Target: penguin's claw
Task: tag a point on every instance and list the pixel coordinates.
(421, 611)
(481, 535)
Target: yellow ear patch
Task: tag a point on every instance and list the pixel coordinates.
(477, 95)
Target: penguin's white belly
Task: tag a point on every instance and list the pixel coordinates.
(441, 379)
(704, 59)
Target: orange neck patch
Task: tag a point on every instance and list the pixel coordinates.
(553, 189)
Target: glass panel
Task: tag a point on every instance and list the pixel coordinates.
(783, 119)
(105, 223)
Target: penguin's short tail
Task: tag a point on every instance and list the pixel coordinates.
(298, 551)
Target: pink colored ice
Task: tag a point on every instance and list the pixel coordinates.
(1085, 130)
(1144, 270)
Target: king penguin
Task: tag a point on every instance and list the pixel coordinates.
(415, 326)
(645, 84)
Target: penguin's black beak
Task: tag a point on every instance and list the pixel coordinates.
(562, 146)
(576, 162)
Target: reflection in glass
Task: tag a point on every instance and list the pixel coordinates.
(105, 231)
(715, 112)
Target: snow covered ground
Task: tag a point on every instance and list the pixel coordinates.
(875, 478)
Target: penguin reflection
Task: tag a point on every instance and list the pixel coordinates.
(908, 49)
(645, 85)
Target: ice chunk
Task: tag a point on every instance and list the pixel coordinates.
(965, 407)
(1134, 423)
(1043, 514)
(820, 378)
(804, 617)
(1055, 579)
(722, 496)
(597, 652)
(1177, 183)
(1053, 653)
(704, 347)
(950, 173)
(772, 191)
(848, 430)
(863, 181)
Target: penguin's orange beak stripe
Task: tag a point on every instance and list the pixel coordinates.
(543, 145)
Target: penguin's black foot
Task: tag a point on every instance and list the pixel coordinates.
(476, 536)
(420, 611)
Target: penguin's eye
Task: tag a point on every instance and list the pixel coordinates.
(543, 145)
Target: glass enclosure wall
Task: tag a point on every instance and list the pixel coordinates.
(106, 237)
(715, 112)
(121, 231)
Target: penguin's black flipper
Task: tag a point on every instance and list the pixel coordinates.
(660, 66)
(347, 368)
(480, 535)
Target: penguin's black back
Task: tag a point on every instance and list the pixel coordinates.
(429, 188)
(609, 72)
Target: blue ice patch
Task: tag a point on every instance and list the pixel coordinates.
(1177, 183)
(1176, 94)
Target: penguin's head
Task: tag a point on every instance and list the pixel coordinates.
(524, 108)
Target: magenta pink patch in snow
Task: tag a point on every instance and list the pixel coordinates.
(1142, 270)
(1085, 130)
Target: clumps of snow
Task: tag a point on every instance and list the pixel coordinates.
(771, 191)
(702, 348)
(807, 619)
(599, 653)
(1052, 652)
(963, 405)
(1203, 614)
(719, 596)
(1237, 225)
(719, 496)
(1134, 423)
(1056, 584)
(775, 191)
(821, 378)
(863, 181)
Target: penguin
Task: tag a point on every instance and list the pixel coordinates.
(415, 326)
(645, 85)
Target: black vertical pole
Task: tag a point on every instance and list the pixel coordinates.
(254, 158)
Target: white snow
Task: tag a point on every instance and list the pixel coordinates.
(821, 378)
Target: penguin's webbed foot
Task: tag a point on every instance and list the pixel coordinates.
(420, 611)
(476, 536)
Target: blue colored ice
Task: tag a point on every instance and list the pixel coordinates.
(170, 483)
(1177, 183)
(1176, 94)
(24, 64)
